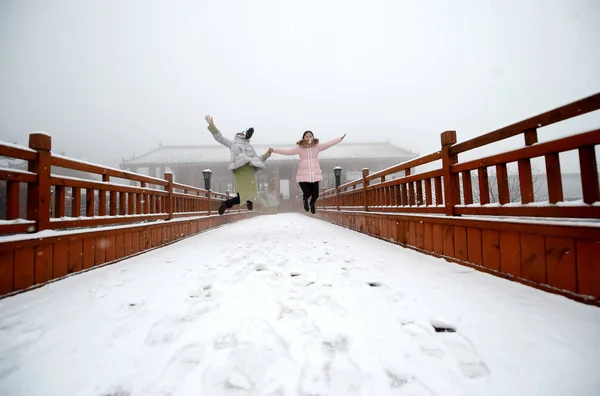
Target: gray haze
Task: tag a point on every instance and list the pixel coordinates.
(113, 78)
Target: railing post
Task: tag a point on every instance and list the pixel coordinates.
(38, 193)
(169, 187)
(451, 192)
(209, 202)
(365, 173)
(337, 197)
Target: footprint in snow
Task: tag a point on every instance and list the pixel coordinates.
(424, 339)
(164, 331)
(469, 362)
(181, 364)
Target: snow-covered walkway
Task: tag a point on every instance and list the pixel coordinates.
(291, 305)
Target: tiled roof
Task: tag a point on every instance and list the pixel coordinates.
(219, 153)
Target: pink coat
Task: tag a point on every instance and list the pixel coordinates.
(309, 169)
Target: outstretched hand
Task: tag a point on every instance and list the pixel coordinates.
(209, 119)
(270, 150)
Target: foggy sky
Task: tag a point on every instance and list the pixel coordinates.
(110, 79)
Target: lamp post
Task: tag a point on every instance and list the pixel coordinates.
(337, 172)
(207, 173)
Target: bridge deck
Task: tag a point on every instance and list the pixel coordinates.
(289, 305)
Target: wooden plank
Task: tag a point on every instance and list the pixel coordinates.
(143, 240)
(104, 171)
(491, 249)
(93, 222)
(510, 253)
(120, 245)
(589, 174)
(467, 187)
(75, 255)
(419, 185)
(131, 203)
(525, 181)
(110, 248)
(420, 229)
(588, 267)
(554, 178)
(586, 212)
(61, 259)
(22, 152)
(560, 263)
(60, 198)
(448, 244)
(113, 203)
(533, 258)
(138, 203)
(122, 203)
(474, 246)
(460, 243)
(135, 242)
(99, 250)
(101, 202)
(438, 238)
(424, 159)
(24, 268)
(401, 233)
(411, 193)
(127, 244)
(6, 271)
(502, 180)
(484, 186)
(12, 200)
(405, 201)
(43, 263)
(428, 234)
(88, 253)
(75, 202)
(90, 198)
(412, 233)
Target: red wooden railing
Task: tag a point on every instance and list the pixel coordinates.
(60, 202)
(449, 189)
(448, 211)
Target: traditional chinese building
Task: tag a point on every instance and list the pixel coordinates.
(188, 162)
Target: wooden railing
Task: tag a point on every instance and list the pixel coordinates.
(476, 214)
(456, 188)
(54, 201)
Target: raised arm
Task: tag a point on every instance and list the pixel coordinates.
(266, 155)
(216, 133)
(292, 151)
(333, 142)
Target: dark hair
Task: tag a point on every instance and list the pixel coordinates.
(305, 132)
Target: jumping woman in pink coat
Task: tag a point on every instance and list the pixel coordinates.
(309, 170)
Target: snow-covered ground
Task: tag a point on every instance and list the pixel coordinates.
(291, 305)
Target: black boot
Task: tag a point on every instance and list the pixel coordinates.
(249, 204)
(312, 208)
(306, 205)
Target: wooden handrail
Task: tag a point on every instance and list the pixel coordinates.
(83, 166)
(582, 106)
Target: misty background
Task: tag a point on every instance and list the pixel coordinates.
(111, 79)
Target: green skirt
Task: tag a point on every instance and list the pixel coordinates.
(244, 179)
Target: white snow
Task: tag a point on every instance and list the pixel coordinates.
(17, 146)
(291, 305)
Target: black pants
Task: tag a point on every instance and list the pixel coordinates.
(310, 190)
(232, 201)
